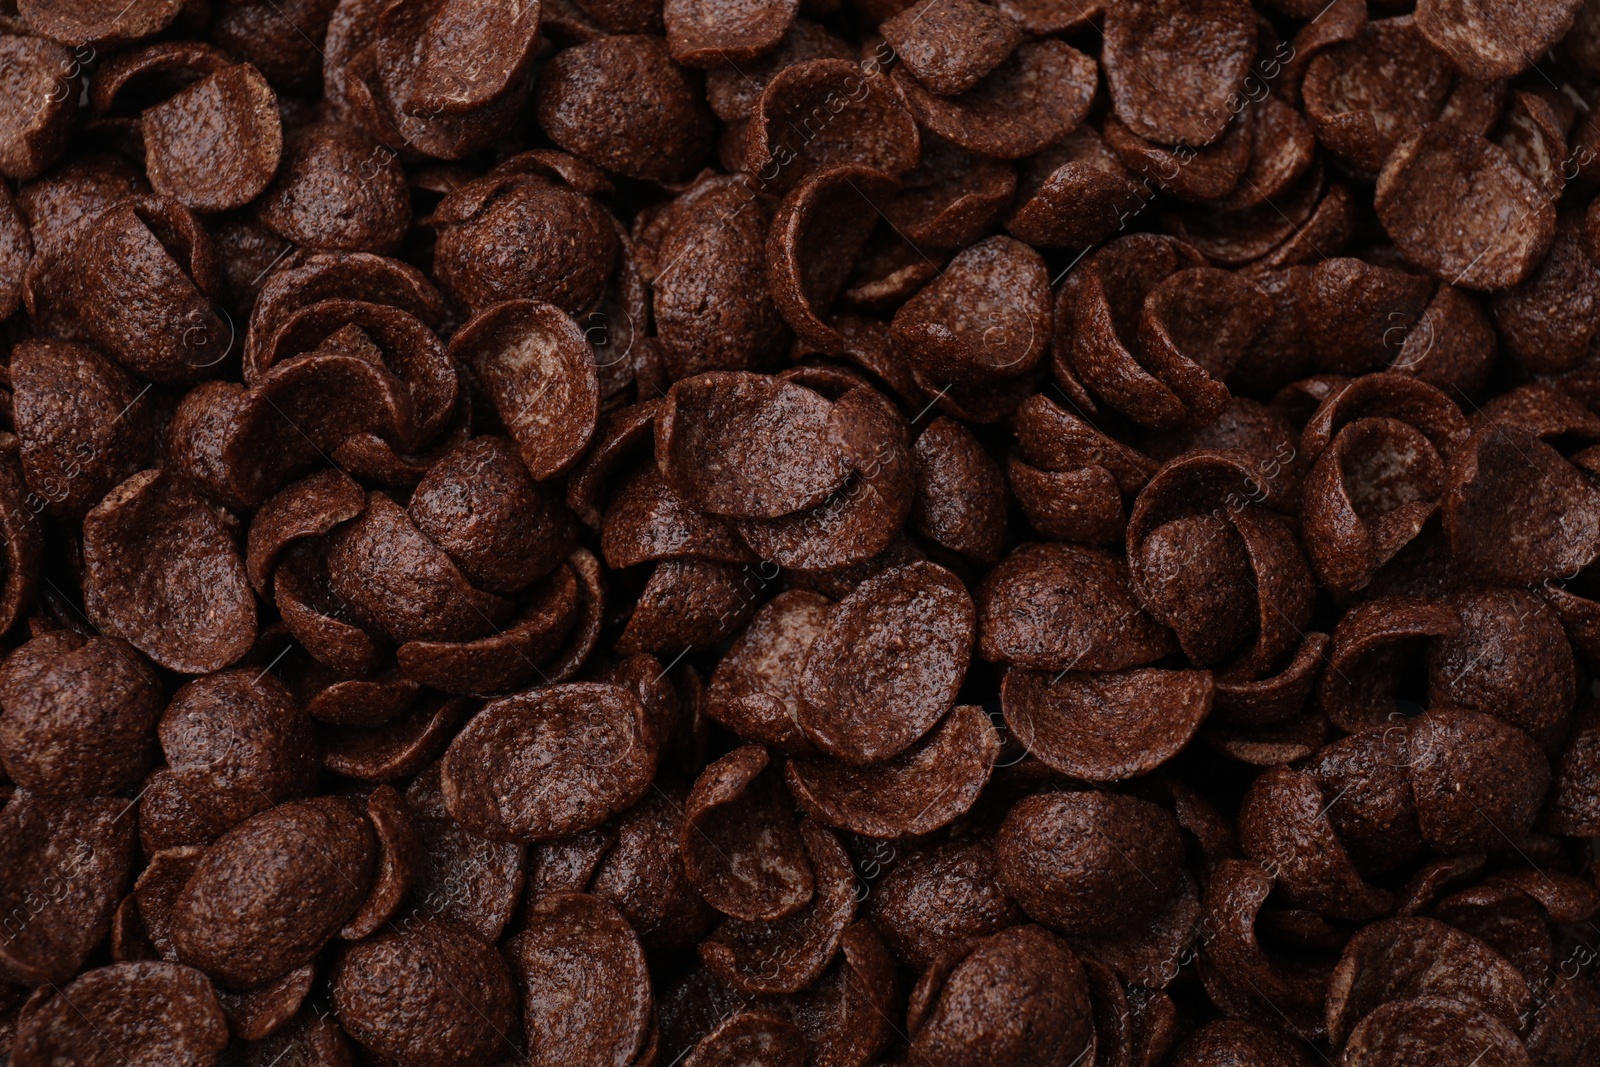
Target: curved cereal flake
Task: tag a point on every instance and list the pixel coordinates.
(429, 991)
(818, 233)
(586, 995)
(126, 1013)
(1054, 607)
(1574, 804)
(215, 146)
(788, 954)
(1237, 972)
(646, 521)
(643, 874)
(740, 845)
(768, 1038)
(397, 861)
(1398, 959)
(1173, 73)
(1543, 321)
(236, 743)
(77, 715)
(550, 762)
(863, 121)
(1284, 826)
(539, 371)
(260, 1012)
(690, 604)
(337, 190)
(846, 1016)
(1366, 93)
(269, 894)
(82, 423)
(889, 664)
(949, 45)
(395, 579)
(1012, 997)
(865, 515)
(986, 316)
(308, 508)
(617, 436)
(101, 22)
(1488, 41)
(733, 90)
(465, 877)
(575, 99)
(1106, 727)
(926, 787)
(395, 749)
(934, 900)
(1152, 956)
(1433, 1028)
(710, 245)
(38, 128)
(164, 572)
(747, 445)
(715, 33)
(1074, 194)
(952, 197)
(1194, 176)
(454, 57)
(960, 492)
(1106, 305)
(144, 294)
(1516, 511)
(755, 689)
(1089, 863)
(1478, 781)
(63, 866)
(1533, 685)
(1370, 804)
(510, 657)
(1459, 207)
(1371, 647)
(1041, 93)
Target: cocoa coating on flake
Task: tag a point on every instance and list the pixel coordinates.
(77, 715)
(162, 571)
(585, 990)
(127, 1013)
(430, 993)
(906, 636)
(269, 894)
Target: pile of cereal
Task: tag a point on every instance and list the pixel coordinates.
(799, 533)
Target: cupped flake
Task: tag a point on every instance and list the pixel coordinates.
(889, 664)
(741, 847)
(716, 33)
(1399, 959)
(63, 865)
(1175, 70)
(1106, 727)
(787, 955)
(825, 113)
(747, 445)
(1458, 206)
(986, 316)
(586, 999)
(215, 146)
(269, 894)
(164, 572)
(550, 762)
(1041, 93)
(127, 1013)
(539, 371)
(1055, 607)
(1498, 39)
(918, 791)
